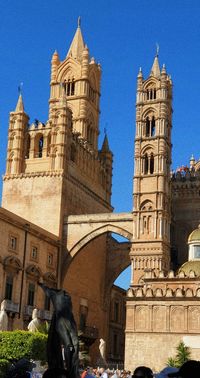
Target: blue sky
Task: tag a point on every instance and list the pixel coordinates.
(122, 36)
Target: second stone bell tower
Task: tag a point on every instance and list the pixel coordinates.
(55, 168)
(152, 195)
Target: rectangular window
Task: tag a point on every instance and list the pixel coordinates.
(9, 287)
(31, 294)
(13, 243)
(50, 259)
(197, 251)
(34, 253)
(47, 303)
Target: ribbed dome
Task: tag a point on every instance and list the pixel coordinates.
(191, 265)
(195, 235)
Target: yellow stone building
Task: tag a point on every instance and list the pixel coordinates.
(56, 207)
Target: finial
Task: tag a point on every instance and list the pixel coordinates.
(79, 22)
(105, 129)
(20, 88)
(157, 49)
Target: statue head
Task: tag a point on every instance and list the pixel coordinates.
(3, 305)
(35, 313)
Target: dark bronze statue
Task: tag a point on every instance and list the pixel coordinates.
(62, 344)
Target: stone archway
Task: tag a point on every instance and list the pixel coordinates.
(93, 261)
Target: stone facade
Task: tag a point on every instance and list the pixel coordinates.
(28, 254)
(160, 313)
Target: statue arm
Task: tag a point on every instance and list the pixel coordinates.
(46, 289)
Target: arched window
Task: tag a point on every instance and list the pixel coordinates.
(150, 126)
(40, 146)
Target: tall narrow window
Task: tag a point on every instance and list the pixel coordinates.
(147, 127)
(13, 243)
(34, 253)
(151, 164)
(153, 126)
(31, 294)
(9, 287)
(146, 164)
(40, 147)
(72, 87)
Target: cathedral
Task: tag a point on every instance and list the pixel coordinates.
(58, 223)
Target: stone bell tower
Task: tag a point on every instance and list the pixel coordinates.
(55, 168)
(152, 197)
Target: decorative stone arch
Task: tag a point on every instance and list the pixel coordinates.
(148, 159)
(152, 81)
(147, 205)
(50, 279)
(70, 66)
(148, 149)
(97, 232)
(149, 122)
(34, 272)
(12, 263)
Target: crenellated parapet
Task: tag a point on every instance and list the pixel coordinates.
(170, 285)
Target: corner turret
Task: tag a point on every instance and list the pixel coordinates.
(16, 135)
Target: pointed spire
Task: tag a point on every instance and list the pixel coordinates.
(77, 45)
(140, 72)
(20, 104)
(55, 58)
(105, 145)
(163, 69)
(155, 70)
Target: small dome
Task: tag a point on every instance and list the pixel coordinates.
(195, 235)
(191, 265)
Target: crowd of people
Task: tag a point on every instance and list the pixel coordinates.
(190, 369)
